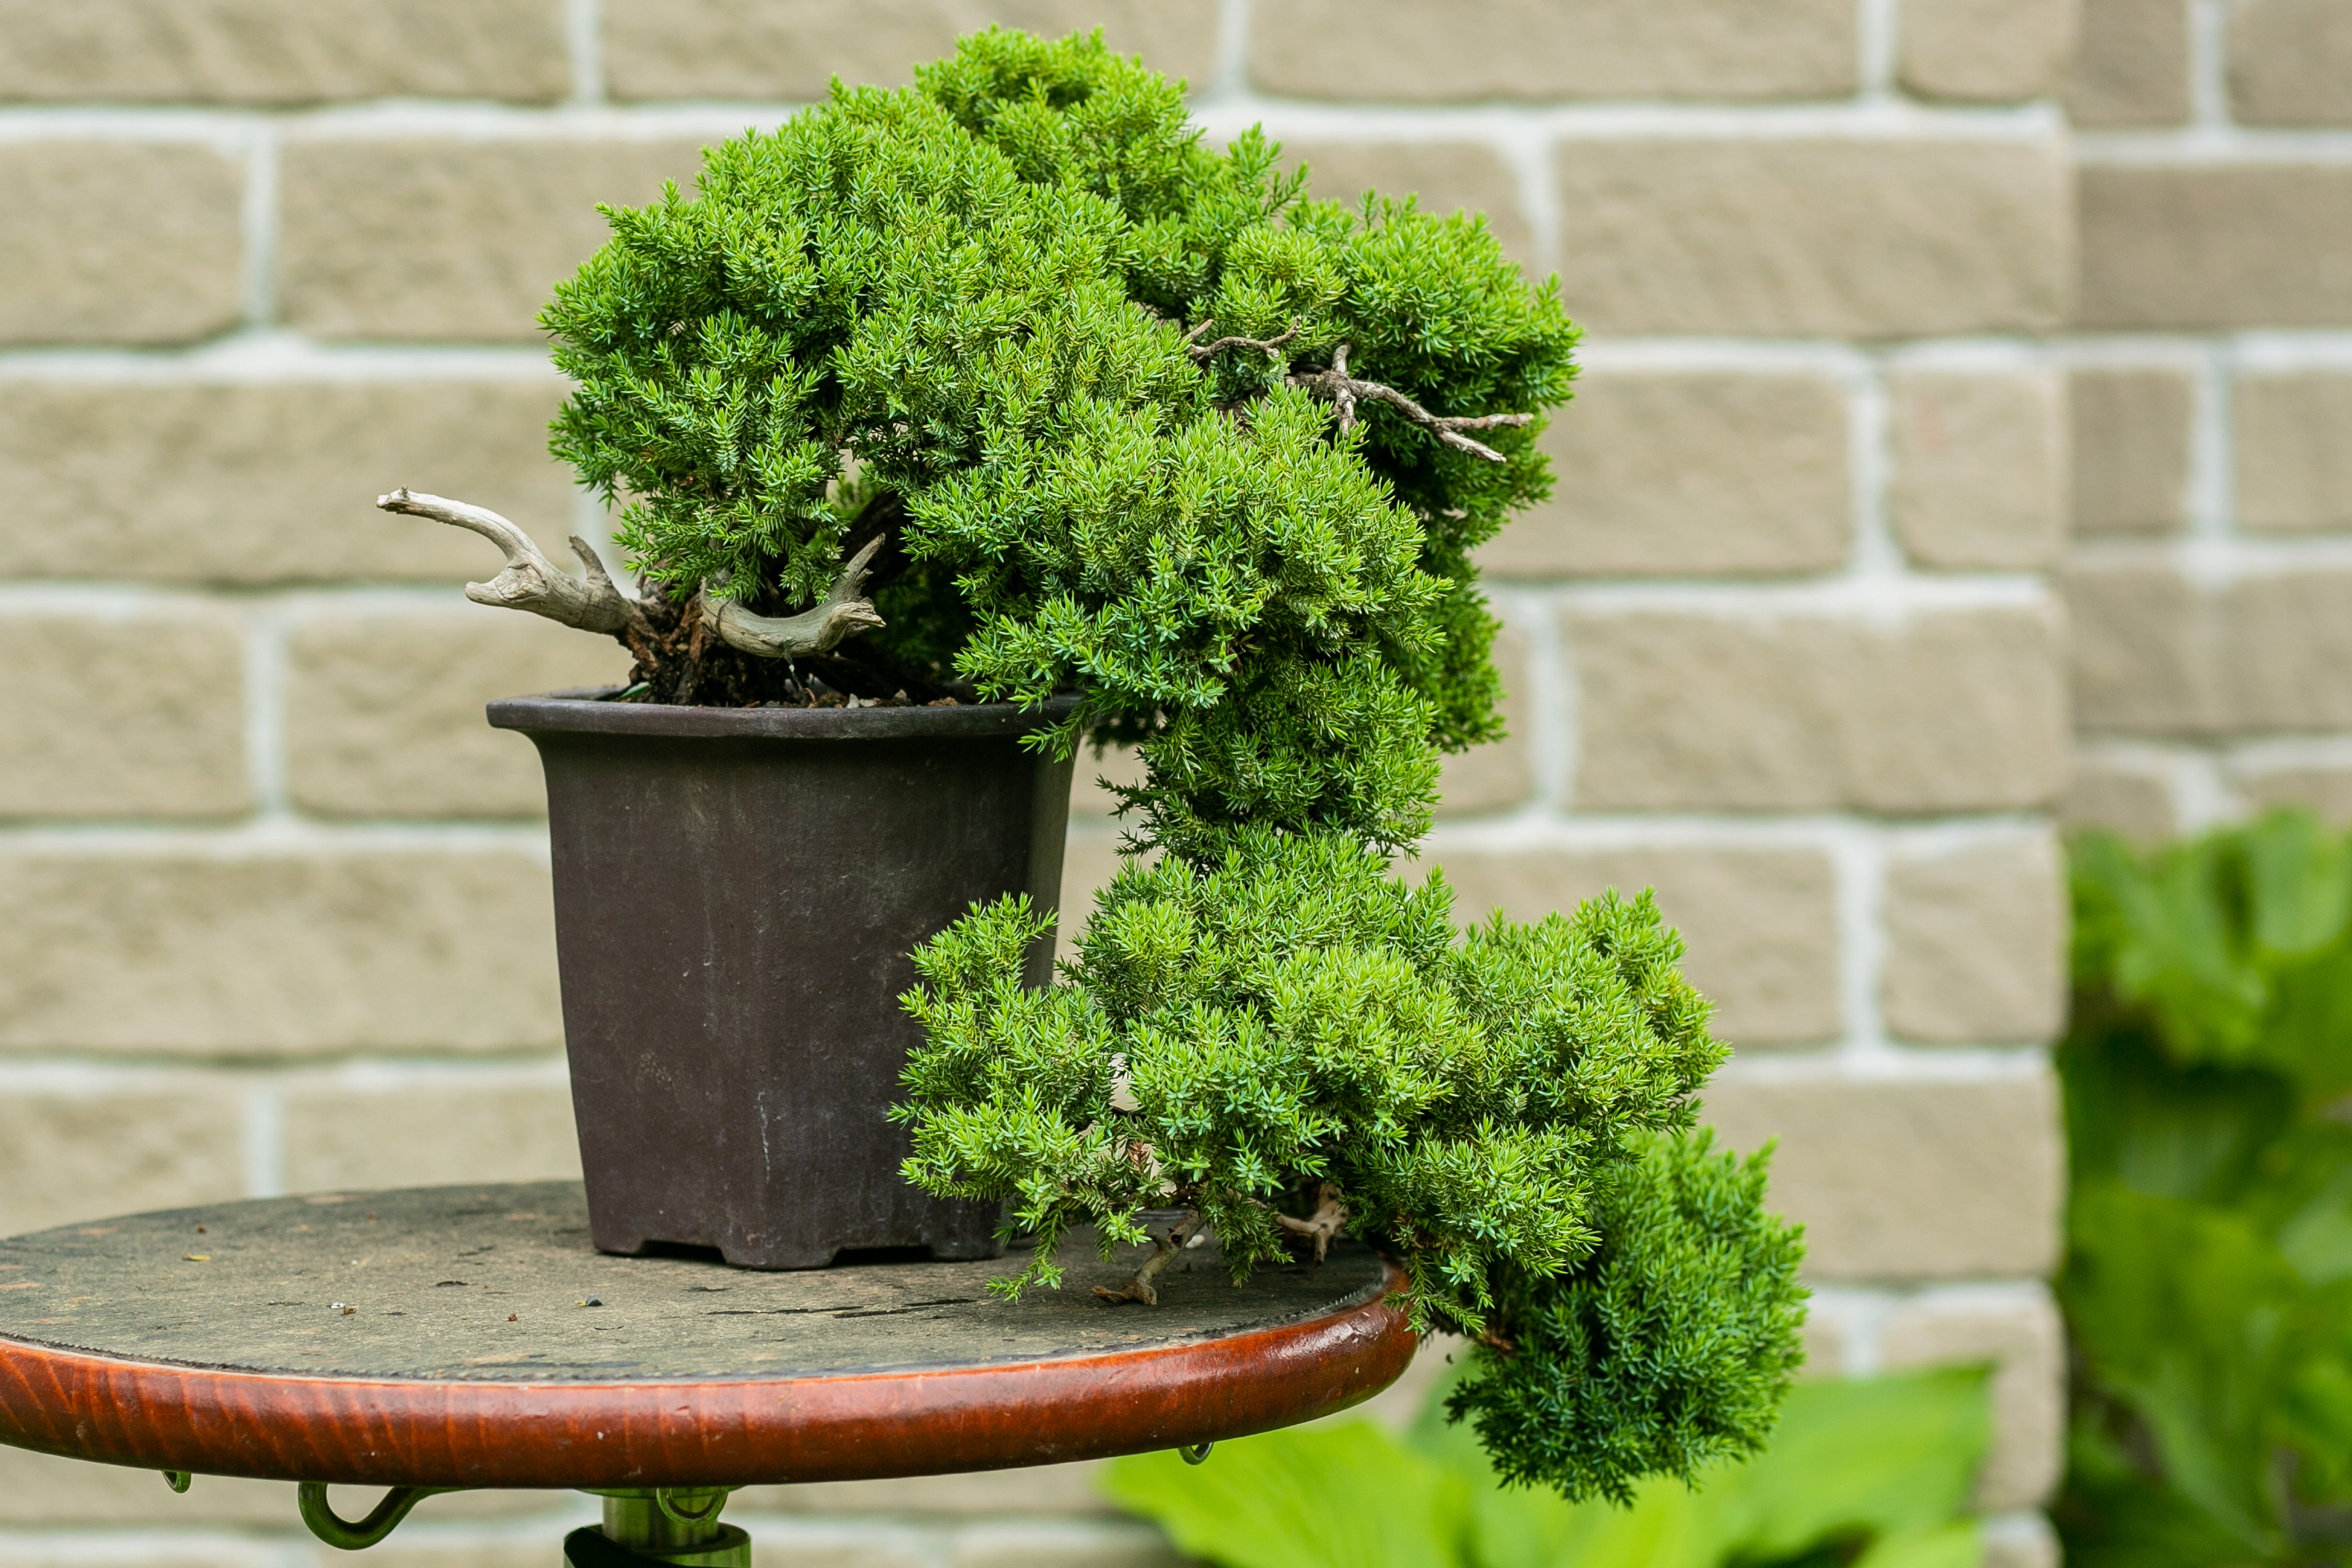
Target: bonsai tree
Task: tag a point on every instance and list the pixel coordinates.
(1006, 385)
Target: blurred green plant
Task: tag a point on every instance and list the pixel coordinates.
(2208, 1285)
(1870, 1472)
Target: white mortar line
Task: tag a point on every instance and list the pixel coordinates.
(1826, 831)
(2291, 752)
(265, 711)
(276, 838)
(1892, 118)
(1228, 79)
(270, 356)
(1864, 1061)
(2228, 560)
(1878, 38)
(1551, 697)
(1859, 857)
(265, 1139)
(131, 601)
(583, 48)
(1529, 160)
(2206, 145)
(1864, 591)
(384, 1074)
(257, 227)
(2208, 68)
(1875, 564)
(1860, 1312)
(193, 1545)
(2203, 796)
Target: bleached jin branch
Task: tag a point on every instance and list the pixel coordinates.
(595, 602)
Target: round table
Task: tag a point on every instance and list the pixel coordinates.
(448, 1338)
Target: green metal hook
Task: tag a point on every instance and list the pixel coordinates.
(178, 1480)
(343, 1535)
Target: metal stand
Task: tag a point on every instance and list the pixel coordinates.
(676, 1526)
(664, 1524)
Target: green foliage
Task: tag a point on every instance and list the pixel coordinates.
(2208, 1284)
(1671, 1346)
(1507, 1108)
(965, 314)
(977, 288)
(1871, 1472)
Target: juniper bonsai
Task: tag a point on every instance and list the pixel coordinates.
(1007, 385)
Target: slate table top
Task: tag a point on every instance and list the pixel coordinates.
(235, 1334)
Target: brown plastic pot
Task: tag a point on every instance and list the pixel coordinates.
(736, 892)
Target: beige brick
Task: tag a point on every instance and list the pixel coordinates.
(1499, 775)
(2291, 62)
(130, 480)
(1844, 237)
(281, 51)
(1941, 710)
(2285, 648)
(1447, 176)
(2215, 245)
(2130, 430)
(1981, 468)
(423, 1135)
(1684, 474)
(1478, 50)
(1760, 925)
(1067, 1490)
(1976, 940)
(2293, 458)
(2142, 650)
(2130, 65)
(420, 949)
(793, 49)
(418, 238)
(1997, 51)
(1130, 1543)
(2136, 801)
(113, 716)
(2018, 1331)
(66, 1158)
(116, 242)
(1918, 1180)
(383, 712)
(2323, 789)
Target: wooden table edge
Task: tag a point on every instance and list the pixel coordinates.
(848, 1427)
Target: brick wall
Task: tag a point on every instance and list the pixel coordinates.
(2211, 580)
(1788, 646)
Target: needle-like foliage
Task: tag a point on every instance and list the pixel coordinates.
(1139, 422)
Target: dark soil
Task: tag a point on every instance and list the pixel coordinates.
(682, 663)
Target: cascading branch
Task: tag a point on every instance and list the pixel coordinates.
(1006, 384)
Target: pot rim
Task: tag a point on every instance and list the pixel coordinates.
(587, 709)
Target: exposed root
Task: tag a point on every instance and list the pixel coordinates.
(1346, 391)
(1203, 353)
(1330, 1215)
(1164, 1248)
(530, 581)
